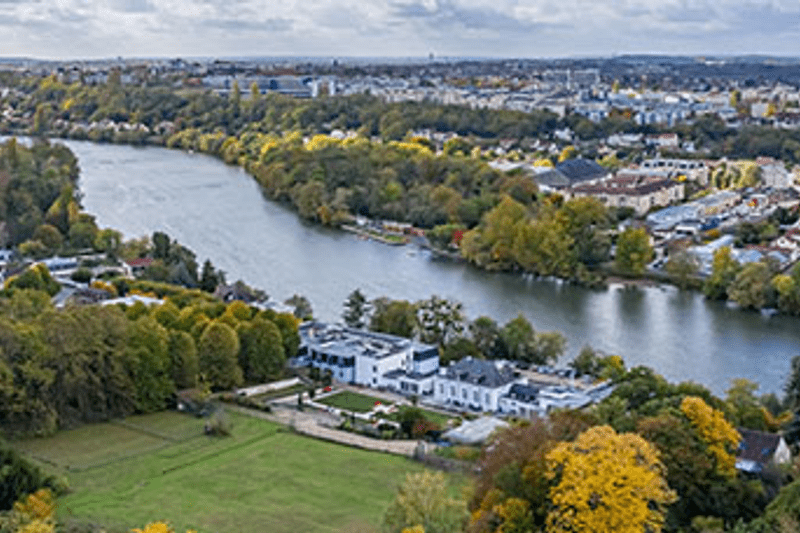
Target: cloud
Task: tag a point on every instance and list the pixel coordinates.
(449, 14)
(267, 25)
(132, 6)
(510, 28)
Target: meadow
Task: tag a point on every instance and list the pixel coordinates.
(127, 473)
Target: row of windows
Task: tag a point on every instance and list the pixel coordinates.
(476, 395)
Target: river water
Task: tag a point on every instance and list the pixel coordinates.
(219, 212)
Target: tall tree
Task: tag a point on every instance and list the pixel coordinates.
(355, 310)
(218, 354)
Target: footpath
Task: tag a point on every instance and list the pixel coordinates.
(316, 425)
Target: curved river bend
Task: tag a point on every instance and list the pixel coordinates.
(218, 212)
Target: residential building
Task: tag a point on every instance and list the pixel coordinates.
(369, 359)
(639, 192)
(758, 450)
(473, 384)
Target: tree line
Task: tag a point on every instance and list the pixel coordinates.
(441, 322)
(93, 363)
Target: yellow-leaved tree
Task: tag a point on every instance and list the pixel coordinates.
(718, 434)
(606, 481)
(158, 527)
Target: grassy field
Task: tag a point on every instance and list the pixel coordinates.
(351, 401)
(263, 478)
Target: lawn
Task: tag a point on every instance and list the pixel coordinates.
(263, 478)
(351, 401)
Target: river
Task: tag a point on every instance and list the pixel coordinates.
(219, 212)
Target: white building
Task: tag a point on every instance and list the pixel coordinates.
(473, 384)
(368, 358)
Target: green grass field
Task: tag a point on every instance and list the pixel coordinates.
(263, 478)
(351, 401)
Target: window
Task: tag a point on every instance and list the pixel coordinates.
(374, 369)
(452, 390)
(464, 393)
(476, 396)
(441, 389)
(486, 399)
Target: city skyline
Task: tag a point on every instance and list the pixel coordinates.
(77, 29)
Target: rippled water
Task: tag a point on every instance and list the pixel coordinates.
(218, 212)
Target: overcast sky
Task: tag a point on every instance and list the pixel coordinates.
(485, 28)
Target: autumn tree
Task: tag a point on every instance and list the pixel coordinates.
(634, 251)
(606, 481)
(424, 500)
(720, 437)
(724, 269)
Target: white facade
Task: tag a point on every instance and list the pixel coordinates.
(369, 359)
(472, 384)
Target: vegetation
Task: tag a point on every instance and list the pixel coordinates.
(351, 401)
(324, 487)
(87, 364)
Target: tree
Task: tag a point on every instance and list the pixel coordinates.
(633, 251)
(606, 481)
(218, 352)
(724, 269)
(720, 436)
(396, 317)
(683, 267)
(792, 387)
(355, 310)
(569, 152)
(210, 278)
(744, 406)
(519, 338)
(184, 364)
(486, 336)
(148, 346)
(424, 500)
(752, 288)
(261, 353)
(302, 307)
(439, 319)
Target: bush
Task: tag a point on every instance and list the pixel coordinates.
(219, 424)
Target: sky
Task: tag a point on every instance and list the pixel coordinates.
(77, 29)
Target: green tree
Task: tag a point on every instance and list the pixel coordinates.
(396, 317)
(634, 251)
(218, 353)
(302, 307)
(683, 267)
(184, 364)
(148, 346)
(752, 288)
(356, 308)
(261, 353)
